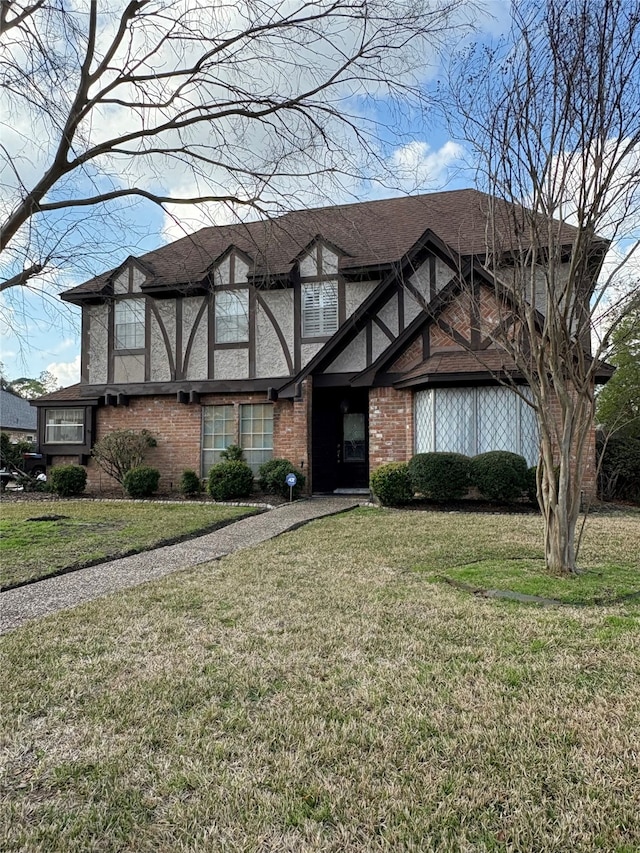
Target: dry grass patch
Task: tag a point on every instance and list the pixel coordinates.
(319, 694)
(42, 538)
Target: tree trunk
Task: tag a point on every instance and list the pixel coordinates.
(560, 476)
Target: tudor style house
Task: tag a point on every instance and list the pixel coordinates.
(341, 338)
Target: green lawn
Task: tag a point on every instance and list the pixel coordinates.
(87, 531)
(324, 692)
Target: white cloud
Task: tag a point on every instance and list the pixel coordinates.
(418, 166)
(66, 372)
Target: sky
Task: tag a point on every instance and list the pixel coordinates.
(39, 332)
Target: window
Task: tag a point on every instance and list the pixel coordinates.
(218, 432)
(232, 316)
(129, 324)
(64, 426)
(475, 420)
(256, 433)
(319, 309)
(220, 429)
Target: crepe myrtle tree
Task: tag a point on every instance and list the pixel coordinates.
(552, 114)
(231, 105)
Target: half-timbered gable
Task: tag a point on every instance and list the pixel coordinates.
(340, 338)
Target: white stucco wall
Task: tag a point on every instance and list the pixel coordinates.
(270, 358)
(420, 279)
(444, 274)
(160, 369)
(353, 357)
(389, 314)
(411, 308)
(121, 283)
(197, 366)
(329, 261)
(355, 292)
(128, 368)
(379, 341)
(221, 274)
(307, 352)
(97, 320)
(138, 278)
(309, 263)
(231, 364)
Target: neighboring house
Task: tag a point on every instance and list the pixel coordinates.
(17, 417)
(341, 338)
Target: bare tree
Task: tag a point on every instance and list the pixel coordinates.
(182, 102)
(553, 115)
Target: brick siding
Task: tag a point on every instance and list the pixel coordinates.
(390, 426)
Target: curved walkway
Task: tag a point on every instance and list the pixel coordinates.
(25, 603)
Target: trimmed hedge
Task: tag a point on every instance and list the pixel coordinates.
(500, 475)
(190, 484)
(390, 483)
(440, 476)
(141, 481)
(532, 484)
(230, 480)
(272, 475)
(67, 480)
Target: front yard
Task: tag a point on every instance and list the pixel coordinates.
(327, 692)
(41, 538)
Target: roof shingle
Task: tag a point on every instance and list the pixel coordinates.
(371, 233)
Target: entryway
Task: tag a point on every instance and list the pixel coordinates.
(340, 440)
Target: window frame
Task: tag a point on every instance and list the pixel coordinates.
(81, 423)
(236, 435)
(237, 322)
(328, 315)
(130, 304)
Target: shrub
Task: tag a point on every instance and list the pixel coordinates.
(67, 480)
(230, 480)
(619, 475)
(122, 450)
(440, 476)
(233, 453)
(500, 475)
(141, 481)
(390, 483)
(272, 476)
(190, 484)
(532, 484)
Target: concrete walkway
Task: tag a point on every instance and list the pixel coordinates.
(25, 603)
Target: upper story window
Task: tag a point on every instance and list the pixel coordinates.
(129, 324)
(319, 309)
(232, 316)
(64, 426)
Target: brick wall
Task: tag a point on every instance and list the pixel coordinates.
(291, 432)
(390, 426)
(177, 429)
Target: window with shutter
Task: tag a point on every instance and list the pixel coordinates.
(319, 309)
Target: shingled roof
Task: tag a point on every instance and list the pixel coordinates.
(369, 234)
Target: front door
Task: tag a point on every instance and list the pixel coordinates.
(351, 451)
(340, 455)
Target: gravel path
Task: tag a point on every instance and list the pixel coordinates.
(25, 603)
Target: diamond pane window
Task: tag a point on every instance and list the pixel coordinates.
(218, 432)
(475, 420)
(129, 324)
(319, 309)
(232, 316)
(256, 433)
